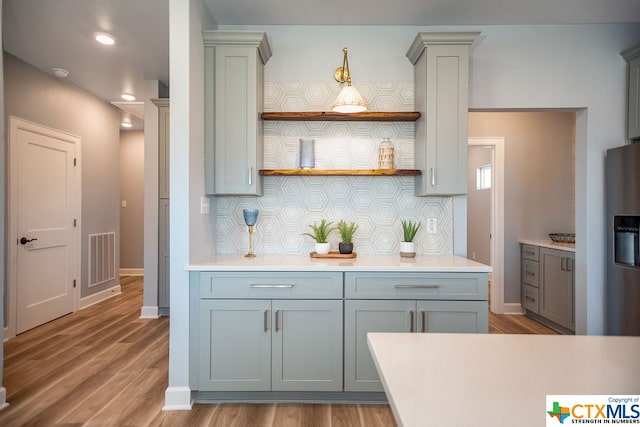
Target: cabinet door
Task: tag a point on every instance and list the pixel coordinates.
(307, 345)
(236, 76)
(556, 288)
(163, 152)
(235, 345)
(453, 316)
(163, 253)
(441, 78)
(633, 112)
(362, 317)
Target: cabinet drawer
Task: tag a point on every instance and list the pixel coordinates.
(531, 252)
(452, 286)
(280, 285)
(530, 272)
(530, 298)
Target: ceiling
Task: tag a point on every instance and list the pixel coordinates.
(59, 33)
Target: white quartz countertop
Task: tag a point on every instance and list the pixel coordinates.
(362, 262)
(497, 380)
(569, 247)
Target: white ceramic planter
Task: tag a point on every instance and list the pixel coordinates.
(408, 249)
(322, 248)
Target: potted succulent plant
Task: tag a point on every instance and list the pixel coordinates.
(408, 246)
(321, 234)
(346, 236)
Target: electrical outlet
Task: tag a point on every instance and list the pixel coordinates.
(204, 205)
(432, 226)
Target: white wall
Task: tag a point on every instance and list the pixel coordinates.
(132, 192)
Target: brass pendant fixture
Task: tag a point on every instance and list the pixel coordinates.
(349, 99)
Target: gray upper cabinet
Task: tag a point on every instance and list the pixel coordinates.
(632, 56)
(234, 93)
(441, 74)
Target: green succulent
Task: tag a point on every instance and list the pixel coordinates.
(347, 231)
(320, 231)
(410, 229)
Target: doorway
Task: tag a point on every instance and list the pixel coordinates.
(491, 235)
(44, 225)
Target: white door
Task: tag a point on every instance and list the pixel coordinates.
(44, 204)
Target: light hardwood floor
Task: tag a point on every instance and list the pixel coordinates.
(104, 366)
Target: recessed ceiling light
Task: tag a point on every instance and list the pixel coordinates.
(104, 38)
(60, 72)
(126, 125)
(128, 97)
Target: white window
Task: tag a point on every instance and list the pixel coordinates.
(483, 177)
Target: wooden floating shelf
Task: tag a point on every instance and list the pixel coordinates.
(325, 116)
(340, 172)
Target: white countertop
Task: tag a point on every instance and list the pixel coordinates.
(497, 380)
(569, 247)
(363, 262)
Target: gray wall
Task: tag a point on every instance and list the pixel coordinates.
(478, 207)
(538, 179)
(38, 97)
(3, 287)
(132, 191)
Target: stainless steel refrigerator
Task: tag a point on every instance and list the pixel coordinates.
(623, 254)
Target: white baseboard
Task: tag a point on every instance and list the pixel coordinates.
(149, 312)
(513, 308)
(100, 296)
(132, 271)
(3, 398)
(177, 399)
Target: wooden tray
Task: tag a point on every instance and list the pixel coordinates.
(333, 254)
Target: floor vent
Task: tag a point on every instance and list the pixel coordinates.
(102, 258)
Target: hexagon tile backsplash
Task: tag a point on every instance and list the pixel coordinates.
(376, 204)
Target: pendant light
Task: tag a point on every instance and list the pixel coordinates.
(349, 99)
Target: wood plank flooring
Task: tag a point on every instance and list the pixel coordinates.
(104, 366)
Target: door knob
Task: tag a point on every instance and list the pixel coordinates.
(24, 240)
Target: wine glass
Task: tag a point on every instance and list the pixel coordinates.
(250, 218)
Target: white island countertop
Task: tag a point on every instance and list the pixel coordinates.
(497, 380)
(362, 262)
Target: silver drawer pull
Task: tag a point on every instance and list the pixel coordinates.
(416, 286)
(529, 253)
(277, 323)
(424, 320)
(266, 320)
(411, 315)
(270, 286)
(529, 273)
(529, 299)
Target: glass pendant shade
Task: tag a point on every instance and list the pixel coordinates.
(349, 101)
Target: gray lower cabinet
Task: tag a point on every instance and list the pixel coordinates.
(407, 302)
(547, 286)
(557, 287)
(251, 342)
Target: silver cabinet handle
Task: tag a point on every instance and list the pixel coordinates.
(397, 286)
(411, 315)
(530, 253)
(423, 314)
(569, 264)
(433, 177)
(562, 264)
(529, 273)
(255, 285)
(277, 323)
(250, 175)
(266, 320)
(529, 299)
